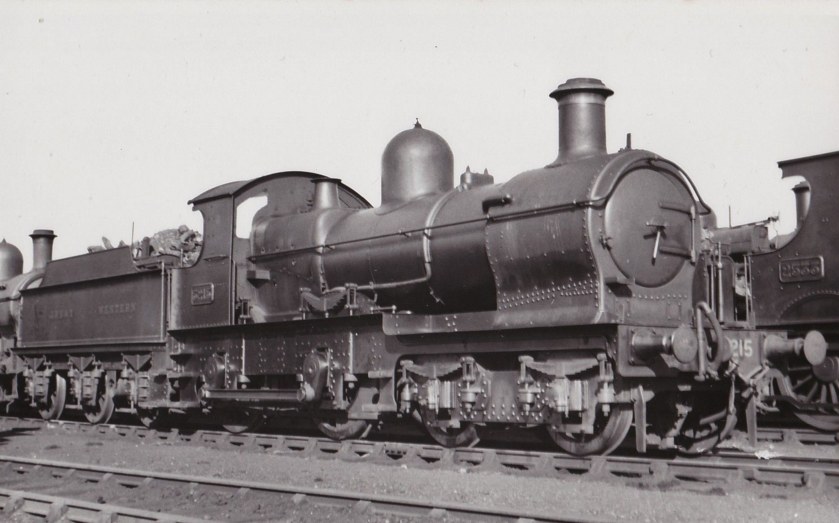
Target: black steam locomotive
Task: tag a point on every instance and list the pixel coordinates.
(585, 296)
(795, 287)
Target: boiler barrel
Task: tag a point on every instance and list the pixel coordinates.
(428, 255)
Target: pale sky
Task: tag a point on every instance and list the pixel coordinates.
(113, 113)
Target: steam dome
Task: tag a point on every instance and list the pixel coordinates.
(416, 163)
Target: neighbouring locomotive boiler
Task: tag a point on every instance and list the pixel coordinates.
(585, 297)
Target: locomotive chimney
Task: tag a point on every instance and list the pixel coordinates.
(326, 193)
(802, 203)
(582, 118)
(41, 247)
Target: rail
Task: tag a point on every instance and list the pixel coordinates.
(75, 474)
(723, 466)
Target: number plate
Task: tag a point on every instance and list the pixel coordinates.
(801, 269)
(203, 294)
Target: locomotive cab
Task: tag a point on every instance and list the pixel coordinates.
(238, 277)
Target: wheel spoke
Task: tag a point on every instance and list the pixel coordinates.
(812, 393)
(803, 382)
(799, 379)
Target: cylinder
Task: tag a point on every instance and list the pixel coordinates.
(326, 193)
(582, 118)
(41, 248)
(802, 202)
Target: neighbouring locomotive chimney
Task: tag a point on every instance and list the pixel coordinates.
(41, 247)
(416, 163)
(326, 193)
(802, 203)
(582, 118)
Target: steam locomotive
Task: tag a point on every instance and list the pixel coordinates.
(585, 297)
(795, 287)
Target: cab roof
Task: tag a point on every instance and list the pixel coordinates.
(232, 189)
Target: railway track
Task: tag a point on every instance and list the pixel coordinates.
(59, 508)
(722, 467)
(805, 436)
(794, 435)
(251, 500)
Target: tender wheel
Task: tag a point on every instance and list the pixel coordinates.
(343, 429)
(237, 421)
(101, 409)
(53, 405)
(152, 418)
(609, 431)
(814, 384)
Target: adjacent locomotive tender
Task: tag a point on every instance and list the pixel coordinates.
(586, 296)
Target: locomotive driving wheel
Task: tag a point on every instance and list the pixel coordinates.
(101, 408)
(818, 384)
(242, 419)
(609, 431)
(448, 435)
(339, 428)
(464, 436)
(709, 420)
(53, 405)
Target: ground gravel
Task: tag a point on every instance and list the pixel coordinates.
(572, 496)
